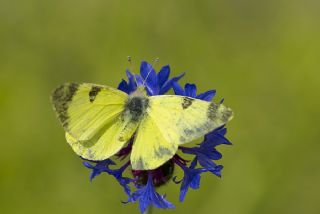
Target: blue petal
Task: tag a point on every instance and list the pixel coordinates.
(216, 138)
(169, 84)
(123, 181)
(178, 90)
(207, 96)
(132, 82)
(139, 79)
(207, 163)
(151, 84)
(193, 163)
(150, 78)
(101, 166)
(155, 84)
(191, 179)
(217, 170)
(147, 196)
(123, 86)
(191, 90)
(88, 165)
(195, 182)
(163, 75)
(183, 191)
(206, 149)
(145, 69)
(205, 154)
(213, 154)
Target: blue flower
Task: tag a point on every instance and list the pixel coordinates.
(205, 157)
(123, 181)
(216, 138)
(101, 166)
(147, 196)
(191, 178)
(206, 152)
(190, 90)
(130, 86)
(156, 84)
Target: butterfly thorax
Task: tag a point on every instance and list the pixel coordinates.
(137, 104)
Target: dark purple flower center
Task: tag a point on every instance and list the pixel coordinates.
(160, 175)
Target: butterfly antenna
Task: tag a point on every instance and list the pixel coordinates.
(131, 69)
(156, 60)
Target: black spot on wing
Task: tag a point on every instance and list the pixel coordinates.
(182, 139)
(162, 151)
(187, 102)
(226, 115)
(188, 131)
(61, 98)
(141, 165)
(94, 92)
(212, 111)
(90, 154)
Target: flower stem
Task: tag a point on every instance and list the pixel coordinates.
(149, 210)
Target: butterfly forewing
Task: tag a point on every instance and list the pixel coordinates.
(171, 121)
(183, 119)
(94, 120)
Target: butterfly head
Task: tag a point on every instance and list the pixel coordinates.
(140, 91)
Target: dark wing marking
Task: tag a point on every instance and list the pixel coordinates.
(187, 102)
(94, 92)
(61, 98)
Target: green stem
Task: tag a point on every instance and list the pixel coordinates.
(149, 210)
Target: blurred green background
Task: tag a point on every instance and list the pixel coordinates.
(263, 57)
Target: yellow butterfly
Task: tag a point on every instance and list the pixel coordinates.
(100, 120)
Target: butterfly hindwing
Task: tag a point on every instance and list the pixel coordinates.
(171, 121)
(150, 148)
(107, 142)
